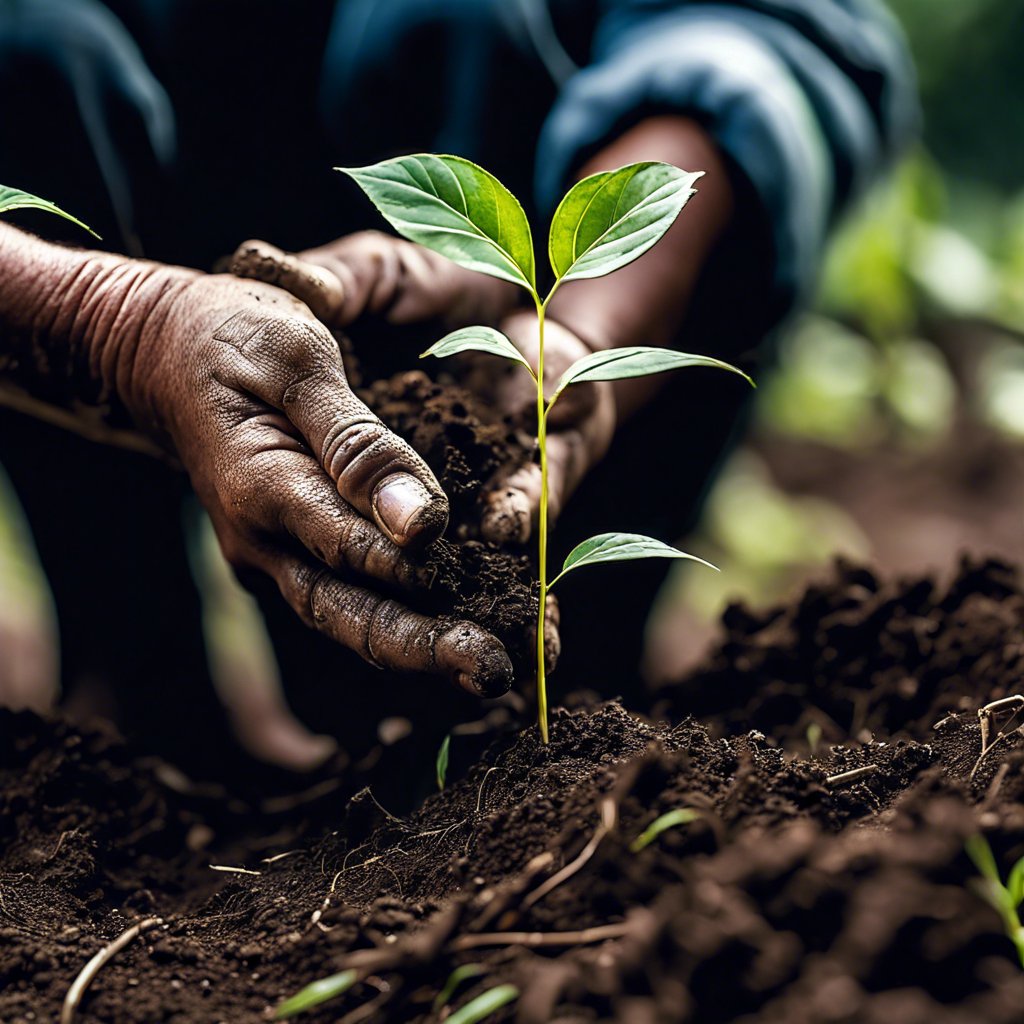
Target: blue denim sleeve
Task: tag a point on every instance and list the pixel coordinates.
(808, 99)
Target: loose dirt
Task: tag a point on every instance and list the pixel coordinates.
(802, 890)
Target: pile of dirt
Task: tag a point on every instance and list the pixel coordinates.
(824, 766)
(808, 890)
(859, 656)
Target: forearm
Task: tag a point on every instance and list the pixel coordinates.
(645, 303)
(72, 322)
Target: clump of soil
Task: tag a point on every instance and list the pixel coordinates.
(467, 447)
(802, 891)
(861, 656)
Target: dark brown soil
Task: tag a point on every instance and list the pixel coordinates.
(791, 898)
(466, 448)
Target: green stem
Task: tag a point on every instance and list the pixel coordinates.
(542, 529)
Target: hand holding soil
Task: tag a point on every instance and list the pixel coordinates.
(246, 388)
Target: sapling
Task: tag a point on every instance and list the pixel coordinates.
(603, 223)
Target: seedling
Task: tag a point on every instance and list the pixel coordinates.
(670, 819)
(15, 199)
(603, 223)
(316, 993)
(1005, 898)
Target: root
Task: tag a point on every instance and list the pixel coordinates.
(985, 716)
(852, 775)
(535, 940)
(96, 964)
(609, 817)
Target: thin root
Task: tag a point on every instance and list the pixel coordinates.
(853, 774)
(537, 939)
(95, 965)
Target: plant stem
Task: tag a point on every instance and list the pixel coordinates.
(542, 529)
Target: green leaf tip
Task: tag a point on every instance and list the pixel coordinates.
(315, 993)
(621, 547)
(609, 219)
(16, 199)
(441, 765)
(671, 819)
(457, 209)
(484, 1005)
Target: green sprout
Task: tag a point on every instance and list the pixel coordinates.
(315, 993)
(441, 765)
(603, 223)
(455, 979)
(15, 199)
(670, 819)
(1005, 898)
(484, 1005)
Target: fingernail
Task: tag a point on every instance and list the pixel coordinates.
(407, 511)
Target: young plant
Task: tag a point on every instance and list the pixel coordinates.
(603, 223)
(1005, 898)
(15, 199)
(316, 993)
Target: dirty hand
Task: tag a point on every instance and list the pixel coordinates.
(373, 273)
(580, 425)
(240, 382)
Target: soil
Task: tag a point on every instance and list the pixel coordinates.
(467, 449)
(789, 898)
(798, 892)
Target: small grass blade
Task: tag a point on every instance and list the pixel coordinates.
(484, 1005)
(316, 993)
(671, 819)
(984, 860)
(1015, 883)
(15, 199)
(441, 766)
(455, 979)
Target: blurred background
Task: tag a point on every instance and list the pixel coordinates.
(891, 430)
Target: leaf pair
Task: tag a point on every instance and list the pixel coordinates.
(609, 364)
(458, 209)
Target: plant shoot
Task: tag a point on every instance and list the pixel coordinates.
(603, 223)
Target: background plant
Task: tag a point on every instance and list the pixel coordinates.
(602, 224)
(1006, 897)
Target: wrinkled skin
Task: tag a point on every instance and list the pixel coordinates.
(241, 383)
(406, 283)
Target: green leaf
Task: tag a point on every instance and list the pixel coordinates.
(456, 208)
(15, 199)
(484, 1005)
(981, 854)
(455, 979)
(609, 219)
(635, 361)
(316, 993)
(442, 761)
(671, 819)
(1015, 883)
(621, 547)
(476, 339)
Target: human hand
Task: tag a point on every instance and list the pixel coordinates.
(373, 273)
